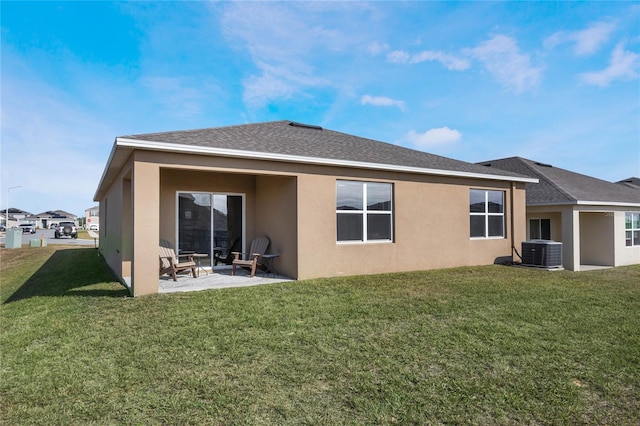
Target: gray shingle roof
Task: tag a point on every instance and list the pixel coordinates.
(560, 186)
(632, 182)
(293, 139)
(55, 214)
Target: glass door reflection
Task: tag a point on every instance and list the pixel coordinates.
(210, 224)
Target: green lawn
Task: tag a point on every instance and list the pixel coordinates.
(483, 345)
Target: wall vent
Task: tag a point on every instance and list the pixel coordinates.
(542, 253)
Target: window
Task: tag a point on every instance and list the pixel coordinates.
(632, 229)
(540, 229)
(486, 209)
(364, 211)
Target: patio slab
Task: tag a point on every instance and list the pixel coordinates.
(216, 279)
(593, 267)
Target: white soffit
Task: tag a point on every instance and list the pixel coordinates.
(587, 203)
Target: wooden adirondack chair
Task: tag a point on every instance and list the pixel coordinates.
(251, 260)
(169, 263)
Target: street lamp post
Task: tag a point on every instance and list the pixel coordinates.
(6, 218)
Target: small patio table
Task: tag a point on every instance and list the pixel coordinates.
(197, 257)
(269, 268)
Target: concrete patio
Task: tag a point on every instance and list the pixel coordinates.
(219, 278)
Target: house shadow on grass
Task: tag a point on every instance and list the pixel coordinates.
(73, 272)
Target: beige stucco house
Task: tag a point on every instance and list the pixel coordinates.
(598, 222)
(331, 203)
(92, 218)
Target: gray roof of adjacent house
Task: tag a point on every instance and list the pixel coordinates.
(560, 186)
(55, 214)
(14, 211)
(295, 142)
(632, 182)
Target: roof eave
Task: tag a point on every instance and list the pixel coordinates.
(586, 203)
(189, 149)
(108, 168)
(608, 203)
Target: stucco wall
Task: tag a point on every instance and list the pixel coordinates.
(145, 225)
(126, 230)
(564, 228)
(597, 238)
(555, 219)
(598, 232)
(276, 217)
(111, 226)
(295, 205)
(624, 255)
(431, 217)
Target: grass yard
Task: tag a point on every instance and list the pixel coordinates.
(482, 345)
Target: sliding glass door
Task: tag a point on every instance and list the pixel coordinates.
(210, 224)
(228, 225)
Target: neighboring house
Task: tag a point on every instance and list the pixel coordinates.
(46, 219)
(16, 217)
(331, 203)
(92, 216)
(632, 182)
(598, 222)
(41, 220)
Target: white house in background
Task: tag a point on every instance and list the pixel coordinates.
(16, 217)
(51, 217)
(598, 222)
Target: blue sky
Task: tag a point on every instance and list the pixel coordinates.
(556, 82)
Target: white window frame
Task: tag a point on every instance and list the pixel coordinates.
(364, 213)
(539, 219)
(488, 214)
(634, 242)
(211, 194)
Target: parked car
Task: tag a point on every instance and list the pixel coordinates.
(66, 229)
(2, 228)
(94, 227)
(28, 227)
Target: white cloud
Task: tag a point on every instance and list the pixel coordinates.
(450, 62)
(398, 57)
(375, 48)
(277, 82)
(283, 39)
(622, 66)
(259, 90)
(434, 137)
(501, 56)
(181, 97)
(587, 41)
(382, 101)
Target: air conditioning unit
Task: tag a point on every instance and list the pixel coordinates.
(542, 253)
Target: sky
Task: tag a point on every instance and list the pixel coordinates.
(555, 82)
